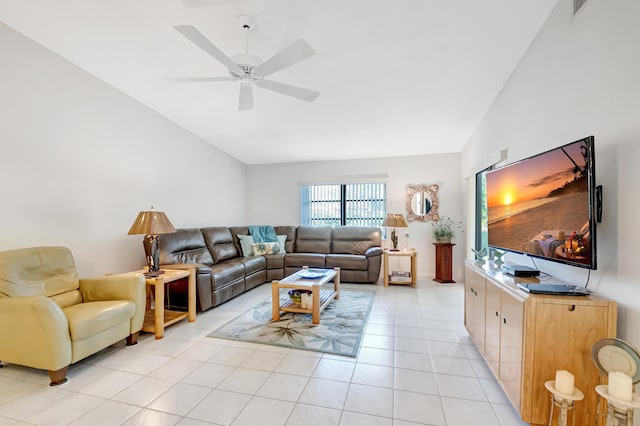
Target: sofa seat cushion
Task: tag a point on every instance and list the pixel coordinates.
(347, 261)
(312, 260)
(89, 319)
(253, 264)
(225, 273)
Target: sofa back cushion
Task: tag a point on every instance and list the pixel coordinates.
(354, 239)
(238, 230)
(220, 243)
(313, 240)
(40, 271)
(184, 246)
(37, 271)
(290, 232)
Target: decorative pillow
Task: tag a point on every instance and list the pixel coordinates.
(246, 243)
(266, 248)
(282, 239)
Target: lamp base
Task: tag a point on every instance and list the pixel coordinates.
(153, 274)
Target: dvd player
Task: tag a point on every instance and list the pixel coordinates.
(520, 270)
(557, 289)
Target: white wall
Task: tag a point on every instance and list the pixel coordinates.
(274, 196)
(80, 159)
(581, 77)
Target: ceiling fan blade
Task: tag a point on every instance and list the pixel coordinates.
(246, 98)
(289, 90)
(198, 79)
(298, 51)
(190, 32)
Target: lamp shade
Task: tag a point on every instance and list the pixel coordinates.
(395, 220)
(151, 223)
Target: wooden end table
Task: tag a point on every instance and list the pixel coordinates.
(321, 297)
(157, 318)
(413, 258)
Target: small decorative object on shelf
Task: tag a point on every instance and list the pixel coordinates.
(496, 256)
(480, 254)
(296, 295)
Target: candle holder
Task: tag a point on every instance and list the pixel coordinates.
(565, 402)
(619, 412)
(613, 354)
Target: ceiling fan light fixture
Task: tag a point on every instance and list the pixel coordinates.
(248, 59)
(250, 70)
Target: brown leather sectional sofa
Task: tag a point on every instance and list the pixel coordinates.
(223, 272)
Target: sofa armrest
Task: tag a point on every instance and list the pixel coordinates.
(34, 332)
(118, 287)
(373, 251)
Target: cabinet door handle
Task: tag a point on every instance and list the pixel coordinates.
(497, 314)
(571, 308)
(504, 320)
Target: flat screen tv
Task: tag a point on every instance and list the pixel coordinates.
(544, 206)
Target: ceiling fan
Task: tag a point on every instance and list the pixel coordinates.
(248, 69)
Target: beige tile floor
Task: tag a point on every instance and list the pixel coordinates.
(416, 366)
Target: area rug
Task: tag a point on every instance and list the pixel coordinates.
(340, 330)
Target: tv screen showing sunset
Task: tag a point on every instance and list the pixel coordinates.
(540, 205)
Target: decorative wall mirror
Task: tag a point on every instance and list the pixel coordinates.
(422, 202)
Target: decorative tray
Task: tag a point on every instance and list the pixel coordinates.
(310, 273)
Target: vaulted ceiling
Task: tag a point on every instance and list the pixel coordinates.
(396, 77)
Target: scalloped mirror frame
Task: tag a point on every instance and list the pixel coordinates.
(432, 192)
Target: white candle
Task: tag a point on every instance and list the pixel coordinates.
(620, 386)
(564, 382)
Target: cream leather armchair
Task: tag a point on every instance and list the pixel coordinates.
(49, 318)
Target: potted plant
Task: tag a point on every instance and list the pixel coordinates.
(443, 229)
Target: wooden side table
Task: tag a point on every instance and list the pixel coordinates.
(444, 263)
(413, 258)
(157, 318)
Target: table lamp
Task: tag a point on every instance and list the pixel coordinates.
(151, 223)
(394, 220)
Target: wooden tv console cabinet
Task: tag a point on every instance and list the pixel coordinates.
(525, 338)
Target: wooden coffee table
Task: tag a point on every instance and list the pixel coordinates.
(321, 297)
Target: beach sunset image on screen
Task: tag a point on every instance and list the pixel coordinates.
(541, 205)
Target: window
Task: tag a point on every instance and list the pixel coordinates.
(482, 219)
(358, 204)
